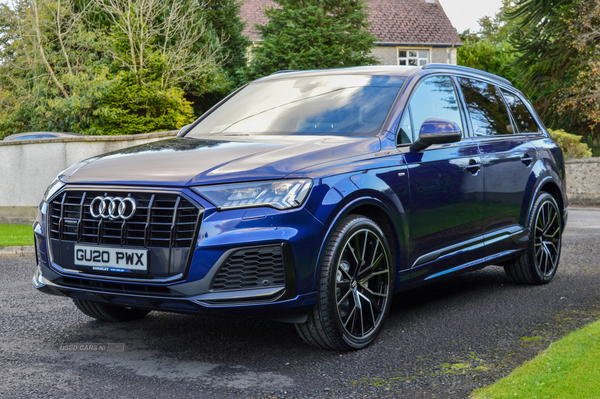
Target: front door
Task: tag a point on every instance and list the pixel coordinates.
(446, 187)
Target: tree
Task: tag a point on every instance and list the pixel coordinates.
(313, 34)
(48, 80)
(223, 17)
(489, 49)
(486, 55)
(154, 39)
(164, 49)
(559, 55)
(544, 45)
(550, 49)
(579, 102)
(104, 66)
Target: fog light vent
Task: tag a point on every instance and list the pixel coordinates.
(251, 268)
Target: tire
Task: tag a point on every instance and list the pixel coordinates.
(538, 264)
(355, 290)
(106, 312)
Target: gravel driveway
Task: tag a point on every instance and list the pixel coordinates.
(440, 341)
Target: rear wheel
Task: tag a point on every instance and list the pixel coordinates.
(538, 264)
(355, 289)
(102, 311)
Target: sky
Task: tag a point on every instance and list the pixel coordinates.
(464, 13)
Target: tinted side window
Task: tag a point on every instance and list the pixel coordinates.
(405, 135)
(488, 113)
(523, 119)
(435, 98)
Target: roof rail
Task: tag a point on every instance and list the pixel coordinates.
(470, 70)
(284, 71)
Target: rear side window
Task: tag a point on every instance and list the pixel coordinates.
(521, 115)
(435, 98)
(487, 111)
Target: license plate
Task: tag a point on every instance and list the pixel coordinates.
(110, 259)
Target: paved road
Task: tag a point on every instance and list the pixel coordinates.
(440, 341)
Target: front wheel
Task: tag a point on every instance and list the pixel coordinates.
(355, 289)
(538, 264)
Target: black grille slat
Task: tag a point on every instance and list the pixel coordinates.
(251, 268)
(81, 213)
(147, 231)
(161, 220)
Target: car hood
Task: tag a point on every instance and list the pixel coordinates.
(187, 162)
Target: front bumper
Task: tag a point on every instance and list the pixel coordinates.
(248, 307)
(221, 235)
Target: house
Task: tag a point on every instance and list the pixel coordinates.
(409, 32)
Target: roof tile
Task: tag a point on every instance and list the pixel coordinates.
(392, 21)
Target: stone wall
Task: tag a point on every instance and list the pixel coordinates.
(583, 181)
(27, 167)
(385, 55)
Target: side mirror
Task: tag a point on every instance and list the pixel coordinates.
(437, 131)
(183, 130)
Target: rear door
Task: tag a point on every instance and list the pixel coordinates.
(507, 155)
(446, 186)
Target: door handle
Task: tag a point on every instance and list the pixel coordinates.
(473, 166)
(526, 159)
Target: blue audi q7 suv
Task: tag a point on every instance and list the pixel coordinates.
(312, 198)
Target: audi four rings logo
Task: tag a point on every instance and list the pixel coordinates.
(113, 207)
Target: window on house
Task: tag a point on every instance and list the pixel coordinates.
(413, 57)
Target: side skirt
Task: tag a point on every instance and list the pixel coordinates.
(498, 246)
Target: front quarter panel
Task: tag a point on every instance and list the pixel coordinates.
(379, 185)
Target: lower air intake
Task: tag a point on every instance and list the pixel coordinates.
(251, 268)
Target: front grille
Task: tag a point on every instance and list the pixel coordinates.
(161, 220)
(163, 224)
(251, 268)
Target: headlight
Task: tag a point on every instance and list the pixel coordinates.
(56, 185)
(280, 194)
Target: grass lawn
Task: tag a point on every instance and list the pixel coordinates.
(569, 368)
(15, 235)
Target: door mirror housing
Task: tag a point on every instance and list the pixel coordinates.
(437, 131)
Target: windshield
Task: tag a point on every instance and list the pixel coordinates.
(343, 105)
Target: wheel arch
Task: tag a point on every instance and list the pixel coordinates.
(381, 214)
(549, 185)
(552, 188)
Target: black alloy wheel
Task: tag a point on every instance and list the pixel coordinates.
(362, 284)
(547, 239)
(355, 290)
(538, 264)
